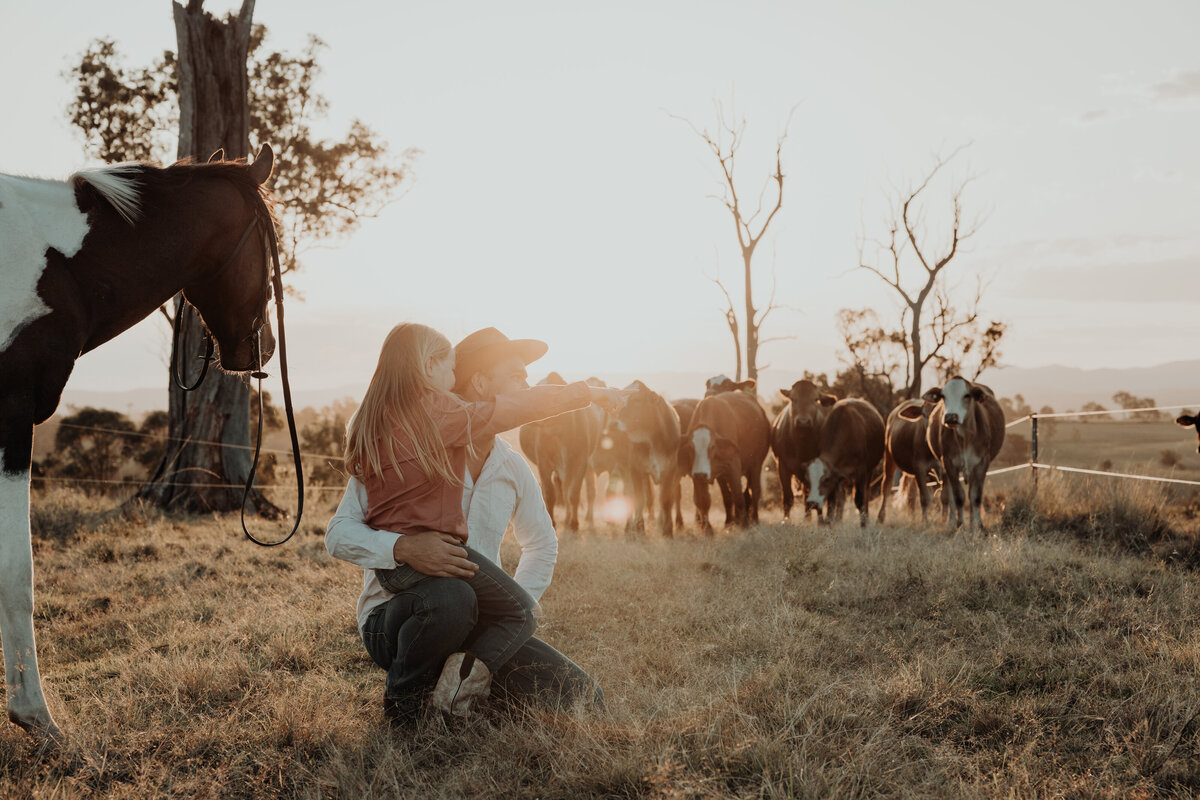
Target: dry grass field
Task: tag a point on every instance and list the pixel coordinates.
(1056, 656)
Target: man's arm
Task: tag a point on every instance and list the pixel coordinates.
(348, 537)
(534, 531)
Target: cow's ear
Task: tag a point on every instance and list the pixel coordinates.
(911, 412)
(749, 383)
(1187, 421)
(932, 396)
(977, 394)
(784, 394)
(828, 400)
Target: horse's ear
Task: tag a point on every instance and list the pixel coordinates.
(217, 156)
(263, 163)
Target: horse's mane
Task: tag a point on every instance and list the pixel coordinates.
(130, 186)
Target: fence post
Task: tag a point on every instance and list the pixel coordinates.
(1033, 450)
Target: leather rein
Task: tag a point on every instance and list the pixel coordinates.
(261, 222)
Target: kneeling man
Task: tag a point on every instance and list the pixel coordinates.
(412, 633)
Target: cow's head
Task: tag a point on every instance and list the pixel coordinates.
(822, 481)
(1190, 421)
(711, 454)
(719, 384)
(958, 396)
(640, 410)
(808, 403)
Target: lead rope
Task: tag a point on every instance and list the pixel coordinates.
(277, 281)
(184, 305)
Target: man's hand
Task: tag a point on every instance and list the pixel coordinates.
(434, 553)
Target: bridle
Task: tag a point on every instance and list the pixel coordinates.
(263, 223)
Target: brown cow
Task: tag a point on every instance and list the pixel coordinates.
(653, 430)
(795, 437)
(728, 440)
(1190, 421)
(851, 447)
(906, 447)
(719, 384)
(561, 447)
(966, 431)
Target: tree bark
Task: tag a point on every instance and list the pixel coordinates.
(213, 114)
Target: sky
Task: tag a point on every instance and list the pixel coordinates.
(558, 195)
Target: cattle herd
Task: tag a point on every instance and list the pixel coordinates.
(823, 445)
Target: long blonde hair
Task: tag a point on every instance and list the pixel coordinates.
(393, 403)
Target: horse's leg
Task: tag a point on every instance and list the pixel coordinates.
(26, 703)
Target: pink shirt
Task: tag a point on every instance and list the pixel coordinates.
(411, 502)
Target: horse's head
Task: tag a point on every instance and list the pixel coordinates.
(233, 291)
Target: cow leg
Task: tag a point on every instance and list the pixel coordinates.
(923, 492)
(546, 478)
(637, 520)
(786, 496)
(862, 498)
(703, 501)
(666, 502)
(975, 489)
(589, 486)
(753, 491)
(571, 497)
(26, 702)
(954, 488)
(889, 475)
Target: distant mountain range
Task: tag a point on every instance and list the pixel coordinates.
(1060, 387)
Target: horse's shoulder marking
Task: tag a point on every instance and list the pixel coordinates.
(35, 217)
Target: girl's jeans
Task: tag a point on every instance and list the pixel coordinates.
(412, 634)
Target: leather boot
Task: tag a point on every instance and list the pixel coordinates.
(465, 682)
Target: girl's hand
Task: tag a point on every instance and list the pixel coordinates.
(611, 400)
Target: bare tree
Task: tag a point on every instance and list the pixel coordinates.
(724, 144)
(929, 328)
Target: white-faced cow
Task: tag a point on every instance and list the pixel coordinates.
(966, 431)
(906, 447)
(1190, 421)
(561, 448)
(728, 441)
(796, 437)
(652, 428)
(851, 447)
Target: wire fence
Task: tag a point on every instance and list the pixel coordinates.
(164, 438)
(1034, 464)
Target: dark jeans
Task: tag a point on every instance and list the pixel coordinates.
(412, 634)
(504, 611)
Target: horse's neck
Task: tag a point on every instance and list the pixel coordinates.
(132, 274)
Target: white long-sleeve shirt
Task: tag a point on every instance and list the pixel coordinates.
(506, 491)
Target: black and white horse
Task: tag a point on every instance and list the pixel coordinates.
(80, 261)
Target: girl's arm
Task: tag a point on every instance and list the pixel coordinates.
(461, 423)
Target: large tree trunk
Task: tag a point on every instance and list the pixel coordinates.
(213, 114)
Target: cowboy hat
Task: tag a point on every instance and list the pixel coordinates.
(484, 348)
